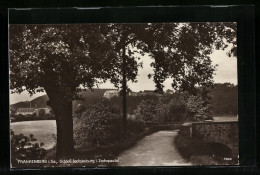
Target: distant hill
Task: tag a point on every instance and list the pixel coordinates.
(39, 102)
(225, 99)
(90, 97)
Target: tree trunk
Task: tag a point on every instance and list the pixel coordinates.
(124, 88)
(63, 112)
(64, 122)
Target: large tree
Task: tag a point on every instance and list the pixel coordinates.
(61, 58)
(180, 51)
(58, 59)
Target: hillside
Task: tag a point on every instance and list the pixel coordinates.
(89, 97)
(35, 103)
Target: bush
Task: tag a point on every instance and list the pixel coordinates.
(146, 110)
(22, 148)
(93, 125)
(165, 109)
(102, 124)
(80, 109)
(171, 109)
(200, 106)
(175, 108)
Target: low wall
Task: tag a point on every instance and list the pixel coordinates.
(164, 126)
(214, 132)
(220, 132)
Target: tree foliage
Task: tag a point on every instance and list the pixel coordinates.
(59, 56)
(180, 50)
(74, 55)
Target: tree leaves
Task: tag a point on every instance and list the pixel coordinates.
(58, 56)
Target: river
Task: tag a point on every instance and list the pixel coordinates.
(43, 130)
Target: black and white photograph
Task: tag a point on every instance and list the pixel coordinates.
(123, 94)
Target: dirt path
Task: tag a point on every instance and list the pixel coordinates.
(157, 149)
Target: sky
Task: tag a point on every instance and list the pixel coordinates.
(226, 71)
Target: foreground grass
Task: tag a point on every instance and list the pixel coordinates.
(200, 153)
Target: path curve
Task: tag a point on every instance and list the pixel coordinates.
(157, 149)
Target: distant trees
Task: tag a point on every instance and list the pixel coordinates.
(224, 99)
(41, 112)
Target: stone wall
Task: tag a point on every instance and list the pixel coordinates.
(214, 132)
(218, 132)
(164, 126)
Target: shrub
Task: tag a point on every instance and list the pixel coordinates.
(22, 148)
(95, 122)
(146, 110)
(200, 107)
(102, 124)
(80, 109)
(175, 108)
(171, 109)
